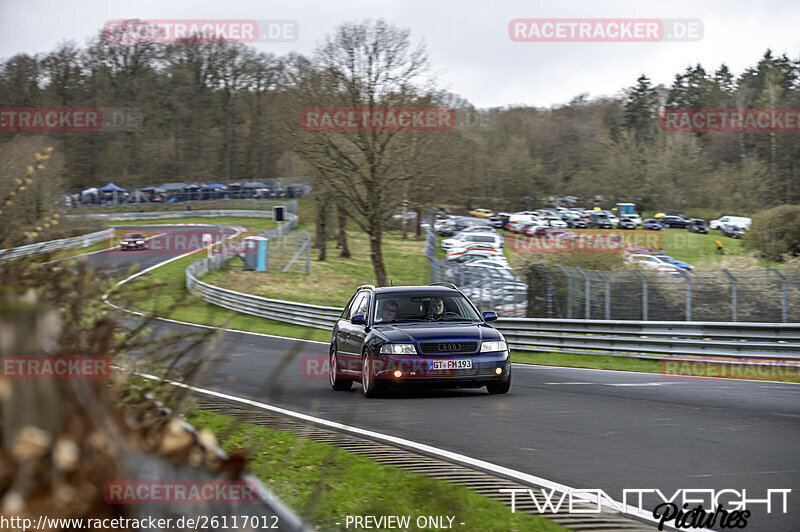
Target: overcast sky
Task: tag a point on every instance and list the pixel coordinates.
(471, 51)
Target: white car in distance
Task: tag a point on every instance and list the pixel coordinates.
(463, 240)
(555, 221)
(738, 221)
(652, 263)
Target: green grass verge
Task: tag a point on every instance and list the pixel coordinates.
(332, 282)
(162, 292)
(324, 484)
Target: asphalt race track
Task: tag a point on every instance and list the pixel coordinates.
(584, 428)
(173, 240)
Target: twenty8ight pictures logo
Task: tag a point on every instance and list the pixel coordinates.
(682, 509)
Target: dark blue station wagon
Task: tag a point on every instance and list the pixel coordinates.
(417, 335)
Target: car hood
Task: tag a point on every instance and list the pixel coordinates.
(437, 331)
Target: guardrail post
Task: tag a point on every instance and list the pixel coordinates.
(644, 293)
(734, 298)
(688, 294)
(784, 295)
(548, 291)
(587, 284)
(308, 253)
(569, 290)
(607, 294)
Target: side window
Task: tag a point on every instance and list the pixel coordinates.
(363, 305)
(356, 305)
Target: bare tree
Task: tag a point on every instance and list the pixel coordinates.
(371, 65)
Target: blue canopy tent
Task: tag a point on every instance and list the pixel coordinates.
(212, 190)
(112, 189)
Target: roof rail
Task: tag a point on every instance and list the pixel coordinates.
(448, 285)
(366, 286)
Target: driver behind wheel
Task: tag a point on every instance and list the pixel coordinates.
(436, 308)
(388, 311)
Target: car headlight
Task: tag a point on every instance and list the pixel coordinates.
(494, 346)
(398, 349)
(123, 242)
(140, 241)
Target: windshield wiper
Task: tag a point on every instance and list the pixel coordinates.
(400, 321)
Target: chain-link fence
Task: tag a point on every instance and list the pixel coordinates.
(287, 250)
(766, 295)
(489, 287)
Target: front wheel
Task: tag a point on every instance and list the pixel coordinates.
(337, 382)
(369, 382)
(500, 387)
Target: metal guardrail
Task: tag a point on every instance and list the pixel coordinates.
(55, 245)
(315, 316)
(638, 339)
(645, 339)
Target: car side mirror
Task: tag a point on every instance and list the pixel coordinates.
(358, 319)
(489, 316)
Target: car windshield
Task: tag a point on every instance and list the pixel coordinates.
(131, 236)
(423, 306)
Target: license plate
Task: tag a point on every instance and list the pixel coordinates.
(450, 364)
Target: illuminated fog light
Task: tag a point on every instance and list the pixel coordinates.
(498, 370)
(398, 373)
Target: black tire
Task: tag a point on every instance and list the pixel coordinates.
(338, 383)
(371, 386)
(500, 387)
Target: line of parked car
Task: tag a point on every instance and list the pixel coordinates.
(527, 222)
(474, 252)
(474, 247)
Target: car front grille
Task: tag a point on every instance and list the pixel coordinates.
(448, 348)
